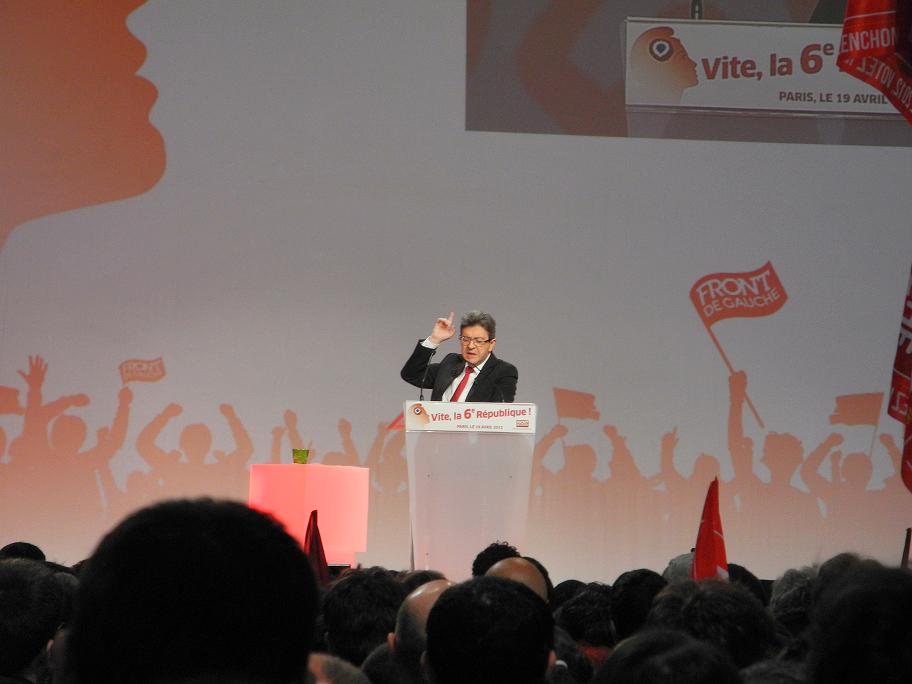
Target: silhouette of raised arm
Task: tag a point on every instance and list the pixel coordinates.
(291, 423)
(740, 447)
(667, 471)
(816, 483)
(243, 447)
(145, 442)
(623, 467)
(110, 441)
(542, 447)
(37, 416)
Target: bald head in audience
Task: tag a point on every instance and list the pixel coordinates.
(522, 571)
(409, 640)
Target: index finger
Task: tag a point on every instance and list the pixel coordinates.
(449, 320)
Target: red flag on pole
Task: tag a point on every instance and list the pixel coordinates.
(313, 547)
(710, 561)
(748, 294)
(573, 404)
(900, 407)
(744, 294)
(876, 47)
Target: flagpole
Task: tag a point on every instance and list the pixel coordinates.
(904, 561)
(731, 371)
(873, 439)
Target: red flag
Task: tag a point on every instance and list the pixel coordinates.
(906, 465)
(313, 547)
(900, 407)
(876, 47)
(573, 404)
(902, 362)
(750, 294)
(709, 555)
(397, 423)
(857, 409)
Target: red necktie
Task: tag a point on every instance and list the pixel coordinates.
(462, 384)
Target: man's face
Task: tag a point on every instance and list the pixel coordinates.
(473, 351)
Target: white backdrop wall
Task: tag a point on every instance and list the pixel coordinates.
(321, 203)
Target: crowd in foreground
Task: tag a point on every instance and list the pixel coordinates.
(203, 591)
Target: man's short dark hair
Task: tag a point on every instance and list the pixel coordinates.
(489, 630)
(666, 656)
(194, 589)
(861, 627)
(22, 549)
(587, 616)
(30, 612)
(738, 574)
(485, 320)
(491, 554)
(724, 614)
(566, 590)
(791, 599)
(359, 610)
(631, 598)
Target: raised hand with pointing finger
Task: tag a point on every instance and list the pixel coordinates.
(443, 330)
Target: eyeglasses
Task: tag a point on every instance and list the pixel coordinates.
(470, 340)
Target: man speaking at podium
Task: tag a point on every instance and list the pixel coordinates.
(474, 374)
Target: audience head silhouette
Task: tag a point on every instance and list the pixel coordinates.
(196, 590)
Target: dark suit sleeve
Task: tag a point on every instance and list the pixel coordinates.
(505, 383)
(414, 369)
(497, 382)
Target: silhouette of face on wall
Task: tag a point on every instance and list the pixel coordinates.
(782, 454)
(195, 441)
(580, 460)
(857, 470)
(68, 434)
(74, 126)
(660, 67)
(706, 468)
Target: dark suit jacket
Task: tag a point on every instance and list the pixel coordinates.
(495, 382)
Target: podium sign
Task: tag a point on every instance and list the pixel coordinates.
(440, 416)
(470, 469)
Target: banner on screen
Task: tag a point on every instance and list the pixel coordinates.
(788, 68)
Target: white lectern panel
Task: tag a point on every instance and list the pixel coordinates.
(466, 489)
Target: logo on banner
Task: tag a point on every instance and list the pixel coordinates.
(417, 416)
(731, 295)
(660, 68)
(138, 370)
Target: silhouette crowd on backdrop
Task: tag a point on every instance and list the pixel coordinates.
(781, 500)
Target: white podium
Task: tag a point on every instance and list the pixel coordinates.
(469, 468)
